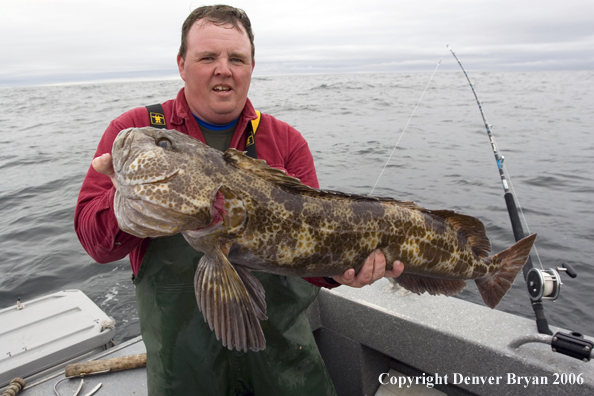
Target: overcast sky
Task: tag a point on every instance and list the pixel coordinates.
(53, 41)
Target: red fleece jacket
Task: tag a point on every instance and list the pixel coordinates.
(281, 145)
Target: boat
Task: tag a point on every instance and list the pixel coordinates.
(375, 341)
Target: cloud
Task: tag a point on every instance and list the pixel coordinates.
(65, 40)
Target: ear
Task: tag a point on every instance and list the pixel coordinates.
(181, 64)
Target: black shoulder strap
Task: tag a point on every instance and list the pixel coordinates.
(157, 116)
(250, 130)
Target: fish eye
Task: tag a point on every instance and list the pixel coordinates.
(164, 143)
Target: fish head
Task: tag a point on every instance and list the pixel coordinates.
(165, 182)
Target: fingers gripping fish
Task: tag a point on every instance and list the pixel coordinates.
(246, 216)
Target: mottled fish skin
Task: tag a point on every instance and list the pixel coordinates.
(321, 236)
(245, 215)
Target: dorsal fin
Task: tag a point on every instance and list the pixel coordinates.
(240, 160)
(471, 227)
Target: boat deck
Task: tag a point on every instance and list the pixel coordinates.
(121, 383)
(368, 335)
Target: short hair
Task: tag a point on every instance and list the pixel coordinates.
(219, 14)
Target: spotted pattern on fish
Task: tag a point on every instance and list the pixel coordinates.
(245, 215)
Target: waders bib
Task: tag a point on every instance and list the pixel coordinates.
(183, 356)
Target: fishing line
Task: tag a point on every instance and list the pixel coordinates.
(406, 126)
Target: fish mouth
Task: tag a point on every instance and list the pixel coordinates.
(149, 180)
(120, 150)
(163, 180)
(143, 218)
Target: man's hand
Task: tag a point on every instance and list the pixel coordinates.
(103, 164)
(373, 269)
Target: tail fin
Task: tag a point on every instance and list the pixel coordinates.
(510, 262)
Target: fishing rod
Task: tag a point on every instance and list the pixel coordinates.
(542, 284)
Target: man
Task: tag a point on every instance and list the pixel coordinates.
(216, 60)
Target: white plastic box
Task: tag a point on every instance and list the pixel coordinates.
(50, 332)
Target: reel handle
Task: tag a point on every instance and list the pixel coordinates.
(568, 269)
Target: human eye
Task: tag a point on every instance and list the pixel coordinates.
(237, 59)
(206, 57)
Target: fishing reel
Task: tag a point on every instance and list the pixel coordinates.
(546, 284)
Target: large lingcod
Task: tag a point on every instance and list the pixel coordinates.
(246, 216)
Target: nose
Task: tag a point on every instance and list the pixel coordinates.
(223, 68)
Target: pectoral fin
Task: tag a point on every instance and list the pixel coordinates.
(227, 306)
(255, 290)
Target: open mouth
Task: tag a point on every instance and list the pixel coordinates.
(221, 88)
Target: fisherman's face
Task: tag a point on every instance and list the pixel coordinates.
(217, 71)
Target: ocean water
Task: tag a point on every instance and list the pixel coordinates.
(542, 123)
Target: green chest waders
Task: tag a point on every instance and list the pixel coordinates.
(185, 359)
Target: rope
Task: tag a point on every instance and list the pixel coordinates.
(14, 387)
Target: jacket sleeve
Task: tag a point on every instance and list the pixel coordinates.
(94, 217)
